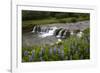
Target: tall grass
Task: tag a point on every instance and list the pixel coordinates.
(72, 48)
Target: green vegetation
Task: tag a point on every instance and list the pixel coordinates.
(37, 15)
(72, 48)
(31, 18)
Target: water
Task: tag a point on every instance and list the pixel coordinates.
(49, 32)
(30, 39)
(34, 29)
(45, 34)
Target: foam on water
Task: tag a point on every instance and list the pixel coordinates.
(50, 33)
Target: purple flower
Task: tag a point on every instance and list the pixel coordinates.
(26, 53)
(59, 51)
(30, 58)
(33, 53)
(54, 50)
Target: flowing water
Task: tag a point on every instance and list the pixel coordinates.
(45, 36)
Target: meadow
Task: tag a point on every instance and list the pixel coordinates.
(72, 48)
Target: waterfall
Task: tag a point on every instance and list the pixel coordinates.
(51, 31)
(57, 31)
(60, 34)
(44, 29)
(39, 29)
(66, 34)
(48, 31)
(34, 29)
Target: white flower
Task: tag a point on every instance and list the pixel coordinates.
(79, 34)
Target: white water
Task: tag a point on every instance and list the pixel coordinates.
(59, 35)
(34, 29)
(50, 33)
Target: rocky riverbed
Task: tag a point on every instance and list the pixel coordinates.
(30, 39)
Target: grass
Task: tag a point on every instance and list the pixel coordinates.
(72, 48)
(29, 24)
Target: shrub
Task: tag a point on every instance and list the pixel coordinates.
(74, 19)
(62, 21)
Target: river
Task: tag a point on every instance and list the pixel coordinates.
(30, 39)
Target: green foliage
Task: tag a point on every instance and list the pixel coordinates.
(86, 31)
(31, 18)
(62, 21)
(74, 48)
(37, 15)
(74, 19)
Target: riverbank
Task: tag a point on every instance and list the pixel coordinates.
(30, 39)
(72, 48)
(29, 24)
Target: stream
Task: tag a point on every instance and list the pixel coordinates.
(45, 36)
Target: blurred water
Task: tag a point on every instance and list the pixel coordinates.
(30, 39)
(49, 33)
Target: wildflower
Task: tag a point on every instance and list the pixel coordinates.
(55, 50)
(30, 58)
(59, 50)
(33, 53)
(26, 53)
